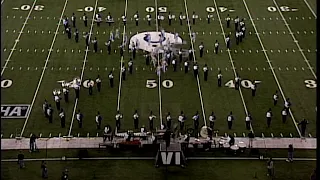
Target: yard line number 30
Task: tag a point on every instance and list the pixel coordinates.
(311, 84)
(27, 7)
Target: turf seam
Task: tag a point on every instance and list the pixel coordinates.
(18, 38)
(294, 39)
(121, 59)
(271, 68)
(231, 60)
(43, 71)
(159, 77)
(194, 60)
(311, 10)
(83, 67)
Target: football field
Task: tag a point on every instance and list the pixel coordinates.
(278, 53)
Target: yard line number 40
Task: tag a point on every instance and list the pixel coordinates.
(244, 83)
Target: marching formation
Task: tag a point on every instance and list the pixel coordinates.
(165, 54)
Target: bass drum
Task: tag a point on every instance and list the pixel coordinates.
(204, 132)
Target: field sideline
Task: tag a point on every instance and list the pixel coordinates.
(278, 51)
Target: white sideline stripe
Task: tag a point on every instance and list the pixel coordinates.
(233, 67)
(314, 14)
(159, 78)
(121, 59)
(153, 158)
(270, 65)
(84, 65)
(43, 71)
(295, 40)
(194, 59)
(19, 35)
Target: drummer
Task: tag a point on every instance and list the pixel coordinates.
(231, 142)
(209, 129)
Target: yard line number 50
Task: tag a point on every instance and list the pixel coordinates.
(151, 83)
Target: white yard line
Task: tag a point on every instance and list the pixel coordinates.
(159, 79)
(18, 38)
(152, 158)
(2, 2)
(231, 60)
(295, 40)
(121, 59)
(44, 69)
(83, 67)
(314, 14)
(194, 59)
(271, 67)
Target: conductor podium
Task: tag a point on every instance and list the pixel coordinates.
(170, 156)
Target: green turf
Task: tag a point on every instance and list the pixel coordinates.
(185, 93)
(145, 170)
(73, 153)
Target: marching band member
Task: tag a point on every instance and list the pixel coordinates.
(181, 119)
(118, 118)
(136, 17)
(98, 81)
(79, 118)
(151, 118)
(62, 118)
(136, 119)
(98, 120)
